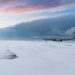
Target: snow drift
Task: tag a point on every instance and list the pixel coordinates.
(38, 58)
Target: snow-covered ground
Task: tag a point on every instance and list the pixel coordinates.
(37, 58)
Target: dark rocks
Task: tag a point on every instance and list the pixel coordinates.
(8, 55)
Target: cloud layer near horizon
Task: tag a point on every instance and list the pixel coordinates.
(59, 26)
(28, 6)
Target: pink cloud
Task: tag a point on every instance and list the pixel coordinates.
(18, 6)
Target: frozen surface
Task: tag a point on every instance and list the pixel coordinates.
(38, 58)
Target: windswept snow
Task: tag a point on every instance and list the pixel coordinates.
(38, 58)
(7, 54)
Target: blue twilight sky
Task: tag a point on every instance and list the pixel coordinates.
(16, 11)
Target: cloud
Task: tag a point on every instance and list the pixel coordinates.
(70, 31)
(31, 6)
(56, 26)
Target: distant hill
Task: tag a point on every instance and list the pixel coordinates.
(44, 27)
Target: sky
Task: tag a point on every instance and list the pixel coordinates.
(13, 12)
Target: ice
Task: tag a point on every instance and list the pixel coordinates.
(37, 58)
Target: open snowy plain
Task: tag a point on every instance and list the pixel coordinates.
(37, 58)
